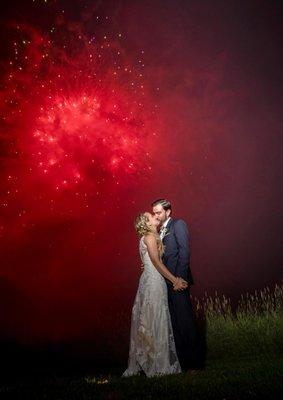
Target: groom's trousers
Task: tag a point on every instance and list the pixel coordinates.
(184, 328)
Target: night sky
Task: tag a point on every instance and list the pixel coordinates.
(108, 105)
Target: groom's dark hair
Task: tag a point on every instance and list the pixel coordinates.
(165, 204)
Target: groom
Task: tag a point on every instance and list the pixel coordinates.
(175, 237)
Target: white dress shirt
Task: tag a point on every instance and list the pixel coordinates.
(162, 229)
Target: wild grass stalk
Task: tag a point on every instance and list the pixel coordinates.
(254, 328)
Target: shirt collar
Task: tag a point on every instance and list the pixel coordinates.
(166, 222)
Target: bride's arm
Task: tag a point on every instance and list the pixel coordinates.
(152, 249)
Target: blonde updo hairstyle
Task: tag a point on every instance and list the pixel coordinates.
(142, 228)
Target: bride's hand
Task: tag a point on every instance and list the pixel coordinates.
(180, 284)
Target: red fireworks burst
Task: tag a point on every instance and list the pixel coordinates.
(75, 115)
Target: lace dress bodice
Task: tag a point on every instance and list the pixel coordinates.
(149, 268)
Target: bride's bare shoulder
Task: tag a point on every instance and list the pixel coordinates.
(149, 238)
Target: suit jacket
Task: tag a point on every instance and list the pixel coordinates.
(176, 256)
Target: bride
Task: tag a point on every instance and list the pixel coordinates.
(152, 346)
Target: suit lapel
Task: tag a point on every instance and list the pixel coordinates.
(165, 238)
(168, 227)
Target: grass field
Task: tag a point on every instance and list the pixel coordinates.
(241, 379)
(244, 360)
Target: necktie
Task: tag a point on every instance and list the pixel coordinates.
(162, 232)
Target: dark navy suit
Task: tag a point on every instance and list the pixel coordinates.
(177, 259)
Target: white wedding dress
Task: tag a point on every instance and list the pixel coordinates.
(152, 346)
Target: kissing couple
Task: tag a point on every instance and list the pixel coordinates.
(163, 336)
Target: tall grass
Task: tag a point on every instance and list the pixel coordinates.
(253, 329)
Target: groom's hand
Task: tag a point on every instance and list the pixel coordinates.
(142, 267)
